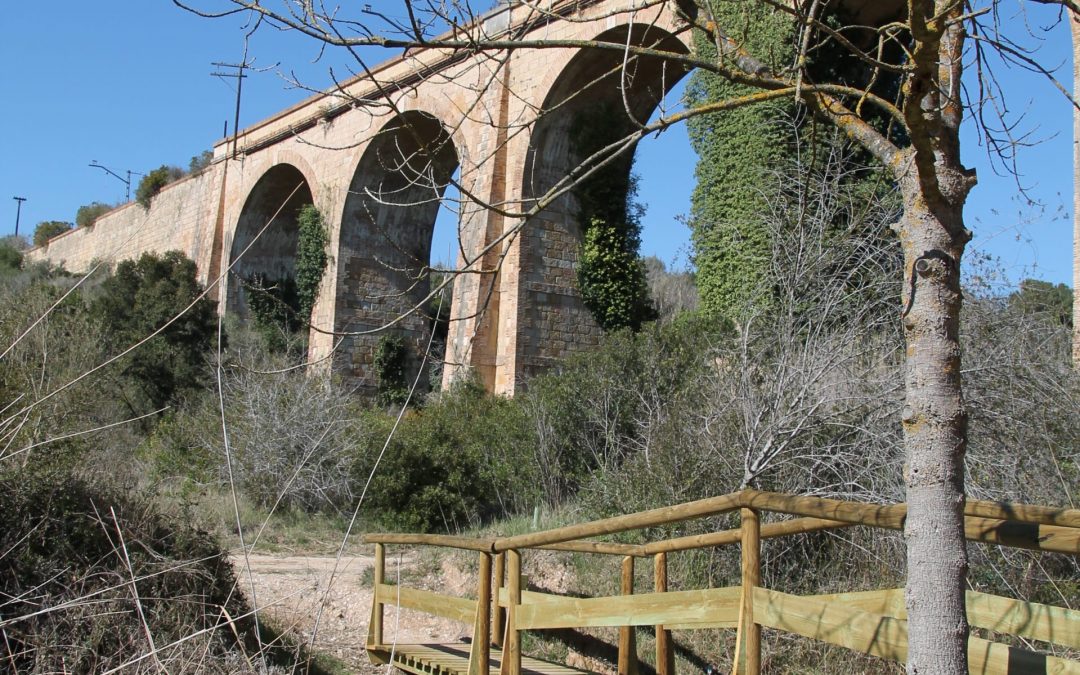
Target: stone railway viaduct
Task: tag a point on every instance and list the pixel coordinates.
(375, 154)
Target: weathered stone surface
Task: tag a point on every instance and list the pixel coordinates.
(348, 156)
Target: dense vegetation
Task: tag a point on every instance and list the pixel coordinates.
(153, 182)
(47, 229)
(800, 395)
(88, 214)
(736, 150)
(72, 550)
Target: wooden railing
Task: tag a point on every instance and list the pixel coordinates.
(870, 622)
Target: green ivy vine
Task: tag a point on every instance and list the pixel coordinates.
(611, 274)
(280, 307)
(310, 258)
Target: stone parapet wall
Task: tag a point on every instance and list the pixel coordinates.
(181, 217)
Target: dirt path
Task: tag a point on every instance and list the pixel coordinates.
(290, 590)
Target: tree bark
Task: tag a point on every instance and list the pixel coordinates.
(935, 423)
(1074, 24)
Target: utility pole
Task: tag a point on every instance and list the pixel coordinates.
(18, 212)
(125, 181)
(217, 253)
(239, 75)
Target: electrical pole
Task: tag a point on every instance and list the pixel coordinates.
(217, 253)
(239, 75)
(18, 212)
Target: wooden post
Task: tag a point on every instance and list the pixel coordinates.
(665, 657)
(511, 655)
(375, 624)
(498, 616)
(480, 651)
(628, 661)
(748, 642)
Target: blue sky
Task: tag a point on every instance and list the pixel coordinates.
(127, 83)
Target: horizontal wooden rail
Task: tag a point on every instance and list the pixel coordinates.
(887, 602)
(1024, 513)
(442, 540)
(645, 609)
(725, 537)
(1023, 535)
(634, 521)
(1055, 625)
(856, 513)
(527, 597)
(487, 545)
(1032, 620)
(1016, 525)
(993, 658)
(702, 625)
(831, 622)
(446, 606)
(607, 548)
(1016, 534)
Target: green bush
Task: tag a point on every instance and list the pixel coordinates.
(390, 363)
(88, 214)
(153, 182)
(200, 161)
(600, 409)
(463, 459)
(48, 229)
(273, 304)
(64, 342)
(11, 258)
(1044, 299)
(139, 298)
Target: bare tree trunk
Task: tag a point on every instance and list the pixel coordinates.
(935, 428)
(1074, 23)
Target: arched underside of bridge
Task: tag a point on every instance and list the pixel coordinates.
(266, 258)
(593, 81)
(385, 242)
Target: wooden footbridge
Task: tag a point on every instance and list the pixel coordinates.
(871, 622)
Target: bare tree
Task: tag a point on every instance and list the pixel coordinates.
(1074, 25)
(913, 132)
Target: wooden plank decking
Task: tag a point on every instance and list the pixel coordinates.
(453, 659)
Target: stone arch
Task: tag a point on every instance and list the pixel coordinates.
(279, 194)
(384, 244)
(550, 242)
(593, 77)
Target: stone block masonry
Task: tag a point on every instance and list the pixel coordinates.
(375, 160)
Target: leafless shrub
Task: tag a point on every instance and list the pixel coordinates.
(91, 581)
(672, 292)
(814, 373)
(290, 436)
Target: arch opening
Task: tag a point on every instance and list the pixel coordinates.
(595, 87)
(265, 264)
(385, 248)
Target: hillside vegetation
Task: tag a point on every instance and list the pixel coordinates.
(118, 482)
